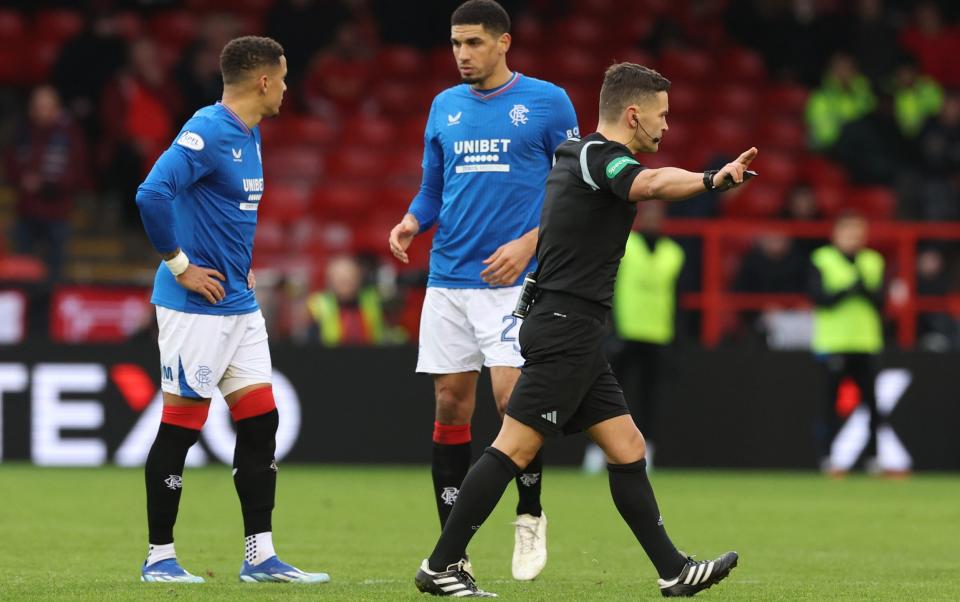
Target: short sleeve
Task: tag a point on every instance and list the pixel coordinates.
(611, 167)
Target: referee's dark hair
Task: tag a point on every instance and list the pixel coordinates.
(488, 13)
(625, 84)
(242, 55)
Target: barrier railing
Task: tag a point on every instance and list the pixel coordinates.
(898, 241)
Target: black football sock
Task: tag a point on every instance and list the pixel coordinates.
(528, 487)
(450, 466)
(633, 496)
(482, 489)
(255, 470)
(163, 473)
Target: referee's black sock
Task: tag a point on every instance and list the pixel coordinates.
(163, 473)
(633, 496)
(450, 466)
(528, 487)
(255, 470)
(481, 490)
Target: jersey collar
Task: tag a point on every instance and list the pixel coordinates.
(496, 91)
(235, 117)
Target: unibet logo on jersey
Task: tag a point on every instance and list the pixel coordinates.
(484, 152)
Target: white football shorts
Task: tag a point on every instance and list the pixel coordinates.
(464, 329)
(200, 352)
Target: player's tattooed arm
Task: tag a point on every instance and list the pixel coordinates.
(507, 263)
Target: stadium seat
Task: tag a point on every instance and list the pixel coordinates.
(403, 166)
(786, 99)
(12, 26)
(398, 97)
(631, 32)
(57, 24)
(776, 167)
(11, 64)
(526, 61)
(395, 198)
(686, 66)
(782, 134)
(627, 54)
(371, 130)
(175, 28)
(284, 202)
(319, 133)
(42, 55)
(687, 102)
(578, 31)
(441, 63)
(728, 134)
(357, 162)
(292, 164)
(572, 65)
(830, 198)
(742, 65)
(527, 33)
(400, 62)
(344, 200)
(874, 202)
(410, 132)
(271, 237)
(735, 99)
(757, 200)
(819, 171)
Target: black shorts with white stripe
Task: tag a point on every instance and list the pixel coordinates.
(566, 384)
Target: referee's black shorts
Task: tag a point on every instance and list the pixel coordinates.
(566, 384)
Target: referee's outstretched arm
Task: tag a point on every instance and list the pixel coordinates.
(675, 184)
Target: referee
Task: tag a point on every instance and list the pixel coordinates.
(566, 384)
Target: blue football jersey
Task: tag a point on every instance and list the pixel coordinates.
(214, 174)
(485, 162)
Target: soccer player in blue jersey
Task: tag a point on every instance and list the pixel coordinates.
(488, 148)
(199, 208)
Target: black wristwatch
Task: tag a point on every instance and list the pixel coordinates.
(708, 179)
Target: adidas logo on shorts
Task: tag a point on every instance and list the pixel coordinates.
(550, 416)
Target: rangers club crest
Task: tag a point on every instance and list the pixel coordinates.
(174, 482)
(518, 115)
(449, 495)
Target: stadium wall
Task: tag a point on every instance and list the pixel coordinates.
(89, 405)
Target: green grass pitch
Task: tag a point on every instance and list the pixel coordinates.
(81, 533)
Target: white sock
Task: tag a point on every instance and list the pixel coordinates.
(258, 547)
(157, 553)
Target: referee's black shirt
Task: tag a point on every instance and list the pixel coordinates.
(587, 216)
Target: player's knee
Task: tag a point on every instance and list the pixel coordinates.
(630, 448)
(191, 416)
(453, 408)
(255, 403)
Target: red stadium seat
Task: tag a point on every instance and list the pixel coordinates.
(12, 25)
(742, 65)
(320, 133)
(727, 134)
(403, 166)
(571, 63)
(395, 198)
(398, 97)
(293, 164)
(627, 54)
(874, 202)
(285, 202)
(442, 63)
(822, 172)
(526, 62)
(370, 130)
(735, 99)
(271, 236)
(786, 99)
(527, 33)
(40, 59)
(342, 199)
(400, 62)
(830, 198)
(757, 200)
(57, 24)
(579, 30)
(11, 64)
(687, 102)
(686, 66)
(782, 134)
(175, 28)
(410, 132)
(355, 162)
(776, 168)
(631, 32)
